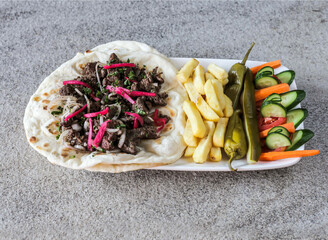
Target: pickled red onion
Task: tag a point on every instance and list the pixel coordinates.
(75, 113)
(90, 135)
(100, 134)
(95, 114)
(117, 65)
(136, 116)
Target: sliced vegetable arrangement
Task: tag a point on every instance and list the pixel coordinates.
(277, 118)
(248, 112)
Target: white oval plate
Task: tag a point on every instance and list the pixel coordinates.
(186, 164)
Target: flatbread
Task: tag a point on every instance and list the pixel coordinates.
(40, 125)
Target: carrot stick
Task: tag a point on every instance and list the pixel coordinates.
(273, 64)
(263, 93)
(271, 156)
(289, 126)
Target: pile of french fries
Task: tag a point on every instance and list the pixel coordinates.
(208, 110)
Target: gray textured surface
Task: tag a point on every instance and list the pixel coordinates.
(42, 201)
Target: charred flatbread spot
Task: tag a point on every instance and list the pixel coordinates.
(168, 127)
(36, 99)
(172, 113)
(82, 65)
(158, 140)
(66, 149)
(46, 145)
(45, 107)
(88, 51)
(46, 101)
(45, 94)
(38, 147)
(33, 139)
(64, 155)
(52, 91)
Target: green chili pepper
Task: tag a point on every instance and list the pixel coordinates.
(250, 119)
(235, 145)
(236, 80)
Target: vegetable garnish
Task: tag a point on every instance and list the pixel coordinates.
(273, 64)
(122, 92)
(271, 156)
(130, 80)
(75, 113)
(159, 121)
(95, 114)
(100, 134)
(289, 126)
(265, 92)
(136, 116)
(118, 65)
(83, 84)
(90, 135)
(138, 94)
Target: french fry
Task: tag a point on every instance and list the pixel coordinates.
(219, 73)
(215, 154)
(218, 136)
(219, 93)
(209, 76)
(199, 79)
(202, 150)
(189, 151)
(228, 108)
(212, 99)
(186, 71)
(188, 135)
(197, 125)
(206, 111)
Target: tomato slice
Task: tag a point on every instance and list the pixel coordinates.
(270, 122)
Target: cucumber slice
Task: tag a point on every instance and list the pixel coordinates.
(297, 116)
(276, 140)
(273, 109)
(265, 71)
(280, 129)
(286, 76)
(300, 137)
(273, 97)
(265, 82)
(292, 98)
(263, 74)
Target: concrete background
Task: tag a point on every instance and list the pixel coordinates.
(42, 201)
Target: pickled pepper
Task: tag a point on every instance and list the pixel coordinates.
(250, 119)
(235, 144)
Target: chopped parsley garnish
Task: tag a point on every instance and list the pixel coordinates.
(59, 129)
(140, 112)
(131, 75)
(113, 73)
(98, 94)
(98, 116)
(59, 111)
(106, 99)
(58, 136)
(116, 82)
(127, 82)
(128, 61)
(87, 91)
(71, 157)
(121, 126)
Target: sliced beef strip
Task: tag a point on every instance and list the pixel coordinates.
(90, 69)
(159, 99)
(129, 147)
(113, 58)
(140, 104)
(69, 90)
(145, 132)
